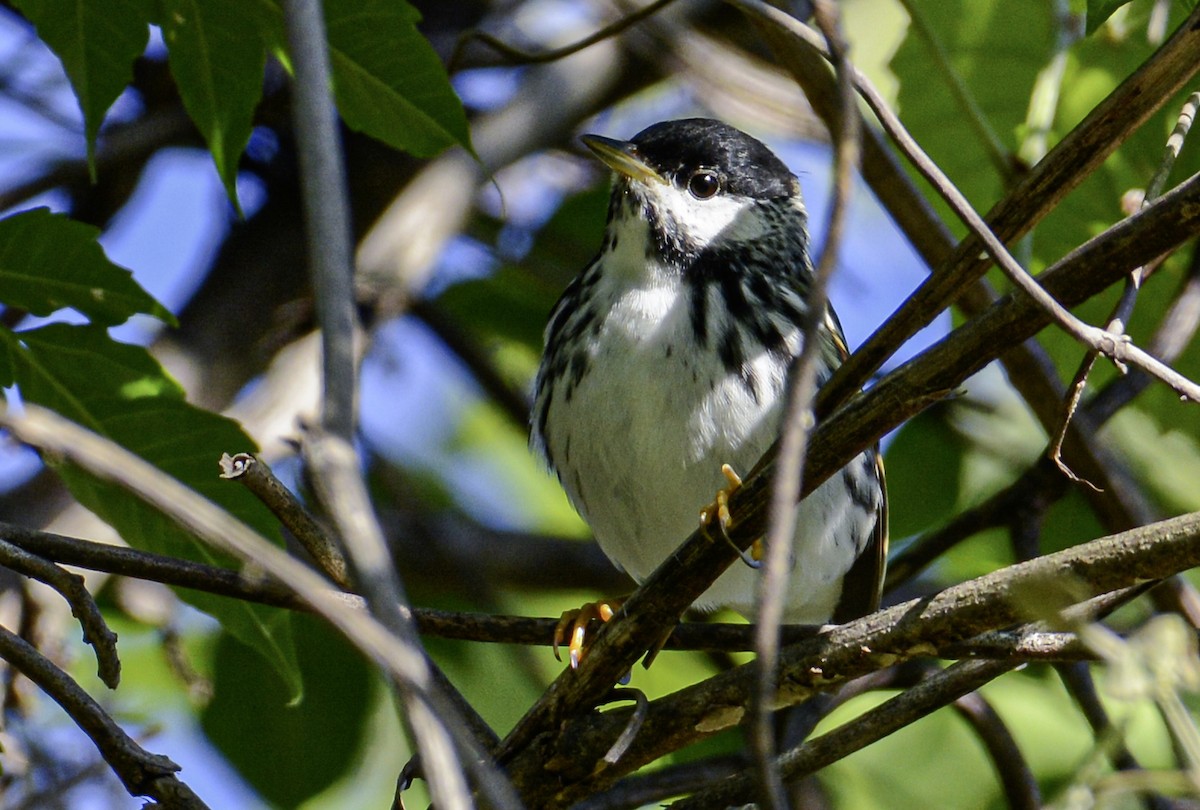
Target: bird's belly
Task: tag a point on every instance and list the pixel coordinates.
(650, 426)
(650, 452)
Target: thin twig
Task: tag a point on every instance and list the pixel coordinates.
(326, 212)
(993, 146)
(875, 724)
(665, 594)
(142, 773)
(843, 652)
(1041, 482)
(1122, 311)
(257, 477)
(516, 56)
(1115, 347)
(443, 739)
(1020, 788)
(83, 607)
(216, 527)
(1173, 335)
(333, 464)
(1071, 160)
(797, 420)
(1029, 368)
(476, 627)
(651, 789)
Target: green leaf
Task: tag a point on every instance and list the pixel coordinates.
(924, 470)
(217, 55)
(388, 80)
(97, 43)
(1098, 12)
(295, 750)
(49, 262)
(121, 392)
(995, 48)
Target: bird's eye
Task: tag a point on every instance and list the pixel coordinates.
(704, 184)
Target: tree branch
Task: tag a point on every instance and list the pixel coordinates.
(557, 767)
(216, 527)
(875, 724)
(142, 773)
(83, 607)
(258, 477)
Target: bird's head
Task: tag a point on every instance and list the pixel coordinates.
(699, 185)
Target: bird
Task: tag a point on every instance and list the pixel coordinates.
(666, 366)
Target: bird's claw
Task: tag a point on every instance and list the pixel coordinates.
(719, 509)
(574, 623)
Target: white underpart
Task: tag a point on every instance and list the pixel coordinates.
(648, 430)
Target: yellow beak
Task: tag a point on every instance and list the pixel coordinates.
(621, 156)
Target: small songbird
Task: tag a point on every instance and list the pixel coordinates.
(667, 358)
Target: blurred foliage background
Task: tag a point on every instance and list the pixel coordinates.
(473, 206)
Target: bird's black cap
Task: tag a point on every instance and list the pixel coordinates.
(676, 149)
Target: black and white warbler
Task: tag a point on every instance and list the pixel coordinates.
(668, 356)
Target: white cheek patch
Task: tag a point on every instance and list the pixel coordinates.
(725, 217)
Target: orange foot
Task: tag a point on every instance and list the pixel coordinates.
(575, 623)
(719, 508)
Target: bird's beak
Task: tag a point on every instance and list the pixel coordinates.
(622, 156)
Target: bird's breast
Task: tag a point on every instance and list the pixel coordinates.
(640, 439)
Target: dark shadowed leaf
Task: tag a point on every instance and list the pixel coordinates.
(996, 48)
(290, 751)
(924, 464)
(217, 53)
(97, 43)
(50, 262)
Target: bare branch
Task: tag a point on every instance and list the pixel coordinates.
(844, 652)
(257, 477)
(1123, 309)
(1019, 644)
(142, 773)
(896, 713)
(797, 421)
(1020, 788)
(83, 607)
(218, 528)
(1116, 347)
(1071, 160)
(663, 597)
(1029, 369)
(515, 56)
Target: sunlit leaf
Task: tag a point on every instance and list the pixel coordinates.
(120, 392)
(388, 80)
(1098, 12)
